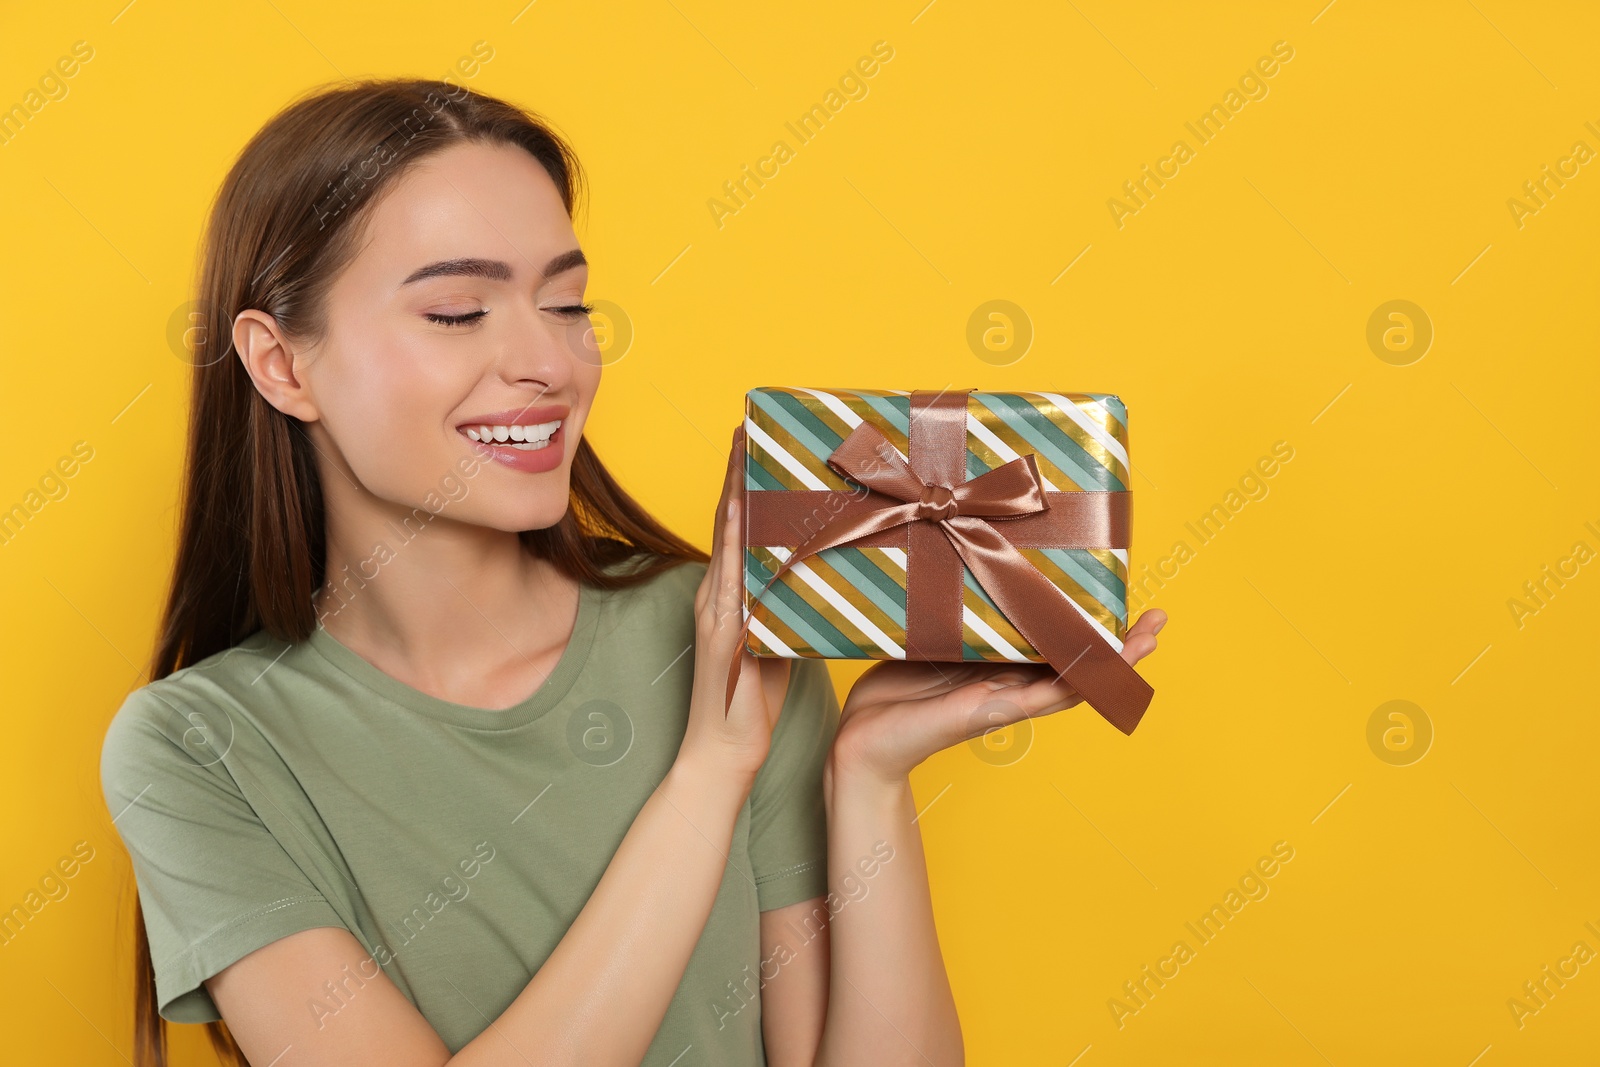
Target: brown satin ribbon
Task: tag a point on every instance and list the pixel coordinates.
(943, 520)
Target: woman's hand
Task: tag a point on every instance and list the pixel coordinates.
(901, 712)
(735, 744)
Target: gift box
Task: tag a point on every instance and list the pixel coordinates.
(942, 526)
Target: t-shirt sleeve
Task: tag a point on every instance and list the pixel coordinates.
(214, 884)
(788, 821)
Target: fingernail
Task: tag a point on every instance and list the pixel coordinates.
(1160, 624)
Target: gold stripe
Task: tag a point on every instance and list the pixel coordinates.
(764, 615)
(801, 454)
(852, 633)
(997, 622)
(1054, 474)
(988, 456)
(1103, 417)
(818, 410)
(1065, 582)
(888, 429)
(1108, 559)
(1096, 451)
(863, 603)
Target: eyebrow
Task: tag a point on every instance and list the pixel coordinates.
(497, 270)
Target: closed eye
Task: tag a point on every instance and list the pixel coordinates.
(456, 320)
(571, 310)
(574, 309)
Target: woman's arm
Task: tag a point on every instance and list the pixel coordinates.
(859, 977)
(598, 999)
(600, 996)
(889, 1000)
(888, 997)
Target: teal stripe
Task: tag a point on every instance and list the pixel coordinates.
(1087, 571)
(1051, 441)
(1116, 407)
(894, 410)
(976, 466)
(971, 582)
(808, 431)
(812, 627)
(864, 575)
(758, 477)
(1096, 579)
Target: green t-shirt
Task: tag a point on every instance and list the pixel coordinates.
(276, 787)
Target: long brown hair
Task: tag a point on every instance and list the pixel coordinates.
(285, 222)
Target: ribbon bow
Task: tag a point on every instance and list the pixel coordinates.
(951, 524)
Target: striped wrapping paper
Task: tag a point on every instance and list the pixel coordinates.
(850, 603)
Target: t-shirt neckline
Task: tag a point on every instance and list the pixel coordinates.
(556, 685)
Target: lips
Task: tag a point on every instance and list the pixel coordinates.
(529, 439)
(522, 416)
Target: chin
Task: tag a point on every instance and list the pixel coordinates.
(516, 520)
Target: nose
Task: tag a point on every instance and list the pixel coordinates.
(540, 352)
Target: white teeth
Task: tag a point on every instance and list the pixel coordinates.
(524, 437)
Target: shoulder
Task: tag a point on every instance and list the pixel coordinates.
(178, 721)
(673, 583)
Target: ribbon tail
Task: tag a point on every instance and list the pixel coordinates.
(1042, 613)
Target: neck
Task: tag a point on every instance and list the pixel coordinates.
(431, 591)
(457, 610)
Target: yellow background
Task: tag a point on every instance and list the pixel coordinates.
(1230, 313)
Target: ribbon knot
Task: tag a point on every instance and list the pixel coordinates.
(950, 525)
(937, 503)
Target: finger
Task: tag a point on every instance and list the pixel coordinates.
(1152, 620)
(736, 461)
(732, 473)
(730, 584)
(729, 589)
(1012, 704)
(1032, 686)
(1052, 694)
(1141, 638)
(719, 521)
(1137, 646)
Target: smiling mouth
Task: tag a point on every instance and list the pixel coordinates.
(527, 438)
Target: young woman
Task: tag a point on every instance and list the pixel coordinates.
(435, 765)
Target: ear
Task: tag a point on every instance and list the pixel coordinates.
(272, 364)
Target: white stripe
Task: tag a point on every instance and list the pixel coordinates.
(779, 453)
(1093, 429)
(835, 405)
(841, 605)
(1122, 554)
(1111, 639)
(898, 555)
(987, 632)
(1001, 449)
(983, 629)
(770, 639)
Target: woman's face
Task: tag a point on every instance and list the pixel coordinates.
(459, 368)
